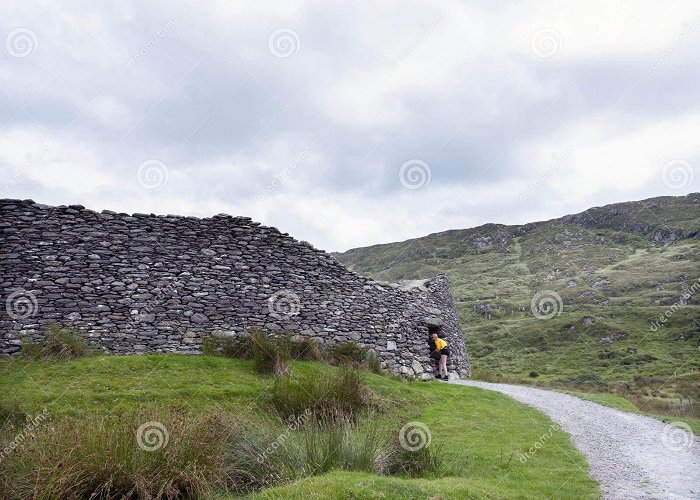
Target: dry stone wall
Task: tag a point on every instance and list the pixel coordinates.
(150, 283)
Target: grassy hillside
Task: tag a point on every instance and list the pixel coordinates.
(479, 435)
(616, 269)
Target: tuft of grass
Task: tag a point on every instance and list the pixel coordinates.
(421, 462)
(272, 353)
(239, 347)
(261, 456)
(351, 354)
(210, 345)
(59, 343)
(348, 354)
(373, 363)
(337, 442)
(31, 349)
(340, 393)
(268, 355)
(228, 346)
(300, 348)
(62, 343)
(77, 458)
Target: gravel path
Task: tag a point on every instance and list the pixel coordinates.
(632, 456)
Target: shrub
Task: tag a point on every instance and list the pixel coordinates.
(533, 374)
(237, 346)
(60, 343)
(587, 380)
(260, 455)
(336, 442)
(76, 459)
(256, 459)
(210, 345)
(245, 346)
(374, 364)
(64, 344)
(347, 353)
(343, 393)
(406, 462)
(268, 355)
(229, 346)
(300, 348)
(31, 349)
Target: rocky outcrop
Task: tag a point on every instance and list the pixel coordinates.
(149, 283)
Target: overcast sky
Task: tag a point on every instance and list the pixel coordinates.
(349, 125)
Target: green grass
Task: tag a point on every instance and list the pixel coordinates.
(620, 403)
(358, 485)
(605, 399)
(480, 434)
(112, 384)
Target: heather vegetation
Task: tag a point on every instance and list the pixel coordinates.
(617, 269)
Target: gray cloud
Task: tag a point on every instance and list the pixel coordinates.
(313, 141)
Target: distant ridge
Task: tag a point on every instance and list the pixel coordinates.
(611, 272)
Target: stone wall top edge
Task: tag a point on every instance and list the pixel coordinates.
(248, 221)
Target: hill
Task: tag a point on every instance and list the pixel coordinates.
(599, 281)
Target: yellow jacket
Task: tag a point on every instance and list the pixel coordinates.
(440, 344)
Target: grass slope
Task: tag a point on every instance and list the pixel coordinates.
(616, 268)
(480, 434)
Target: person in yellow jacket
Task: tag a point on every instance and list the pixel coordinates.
(441, 347)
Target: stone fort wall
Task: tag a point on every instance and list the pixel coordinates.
(150, 283)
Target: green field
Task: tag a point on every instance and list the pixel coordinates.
(617, 269)
(479, 434)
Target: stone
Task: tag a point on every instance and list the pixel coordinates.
(143, 283)
(433, 321)
(417, 366)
